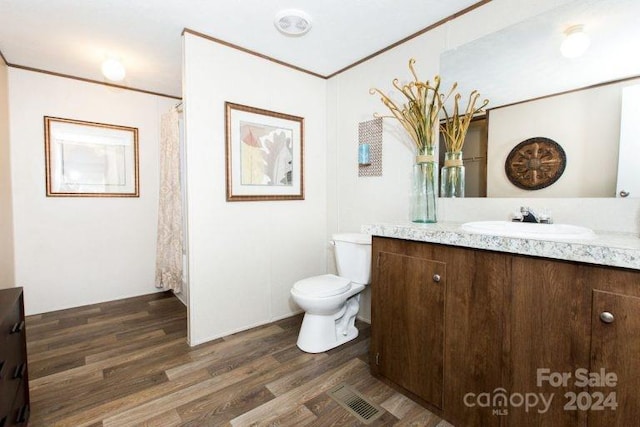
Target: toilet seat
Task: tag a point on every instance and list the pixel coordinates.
(326, 285)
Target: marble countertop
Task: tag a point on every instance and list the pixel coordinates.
(611, 249)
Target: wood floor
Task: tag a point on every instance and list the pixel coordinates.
(127, 363)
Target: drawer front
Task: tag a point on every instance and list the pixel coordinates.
(11, 322)
(8, 391)
(13, 357)
(19, 412)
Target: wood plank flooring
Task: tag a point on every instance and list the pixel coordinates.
(127, 363)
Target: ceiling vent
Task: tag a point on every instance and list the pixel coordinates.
(292, 22)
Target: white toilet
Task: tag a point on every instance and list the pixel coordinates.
(331, 302)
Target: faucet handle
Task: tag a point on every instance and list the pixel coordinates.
(517, 217)
(545, 218)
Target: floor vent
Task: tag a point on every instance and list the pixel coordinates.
(355, 404)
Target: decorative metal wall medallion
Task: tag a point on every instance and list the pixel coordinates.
(535, 163)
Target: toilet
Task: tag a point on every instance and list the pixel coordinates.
(331, 302)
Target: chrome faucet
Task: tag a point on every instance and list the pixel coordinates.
(528, 215)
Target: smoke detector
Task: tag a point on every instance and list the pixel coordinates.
(292, 22)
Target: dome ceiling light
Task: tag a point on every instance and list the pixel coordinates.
(575, 43)
(113, 70)
(292, 22)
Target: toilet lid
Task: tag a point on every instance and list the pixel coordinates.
(322, 286)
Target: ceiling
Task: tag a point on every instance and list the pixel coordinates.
(73, 37)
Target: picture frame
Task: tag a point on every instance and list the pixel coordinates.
(87, 159)
(264, 154)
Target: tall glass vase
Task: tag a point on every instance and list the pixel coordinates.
(425, 187)
(452, 175)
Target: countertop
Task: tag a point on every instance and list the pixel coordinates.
(608, 248)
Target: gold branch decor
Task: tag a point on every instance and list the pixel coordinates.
(454, 129)
(418, 115)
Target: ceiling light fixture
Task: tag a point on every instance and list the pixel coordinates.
(292, 22)
(112, 69)
(575, 43)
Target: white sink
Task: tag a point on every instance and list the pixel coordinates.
(529, 230)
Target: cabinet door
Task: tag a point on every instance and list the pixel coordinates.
(615, 349)
(476, 302)
(549, 330)
(408, 323)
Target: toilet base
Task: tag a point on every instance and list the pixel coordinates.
(320, 333)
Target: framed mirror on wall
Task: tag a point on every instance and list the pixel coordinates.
(535, 91)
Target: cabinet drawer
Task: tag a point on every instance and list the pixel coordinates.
(19, 412)
(10, 320)
(13, 372)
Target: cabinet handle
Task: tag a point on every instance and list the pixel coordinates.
(607, 317)
(436, 278)
(18, 327)
(23, 414)
(20, 369)
(624, 193)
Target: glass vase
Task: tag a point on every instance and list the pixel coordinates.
(452, 175)
(425, 187)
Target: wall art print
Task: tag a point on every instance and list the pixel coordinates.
(264, 154)
(87, 159)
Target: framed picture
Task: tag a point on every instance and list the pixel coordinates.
(265, 154)
(85, 159)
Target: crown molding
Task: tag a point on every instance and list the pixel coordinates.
(250, 52)
(360, 61)
(3, 59)
(82, 79)
(412, 36)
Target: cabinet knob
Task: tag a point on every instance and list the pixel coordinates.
(624, 193)
(436, 278)
(607, 317)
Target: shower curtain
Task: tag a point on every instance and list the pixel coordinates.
(169, 267)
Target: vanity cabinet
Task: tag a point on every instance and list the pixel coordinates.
(437, 338)
(512, 326)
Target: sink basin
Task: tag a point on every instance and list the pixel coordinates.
(529, 230)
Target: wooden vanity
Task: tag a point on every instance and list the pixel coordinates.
(478, 335)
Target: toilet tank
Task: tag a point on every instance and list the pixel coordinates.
(353, 256)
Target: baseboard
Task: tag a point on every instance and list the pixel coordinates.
(295, 313)
(243, 328)
(181, 297)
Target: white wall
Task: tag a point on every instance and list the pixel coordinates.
(72, 251)
(385, 199)
(585, 123)
(6, 216)
(245, 256)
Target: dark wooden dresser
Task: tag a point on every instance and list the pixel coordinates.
(14, 383)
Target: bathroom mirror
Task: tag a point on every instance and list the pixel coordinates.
(523, 62)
